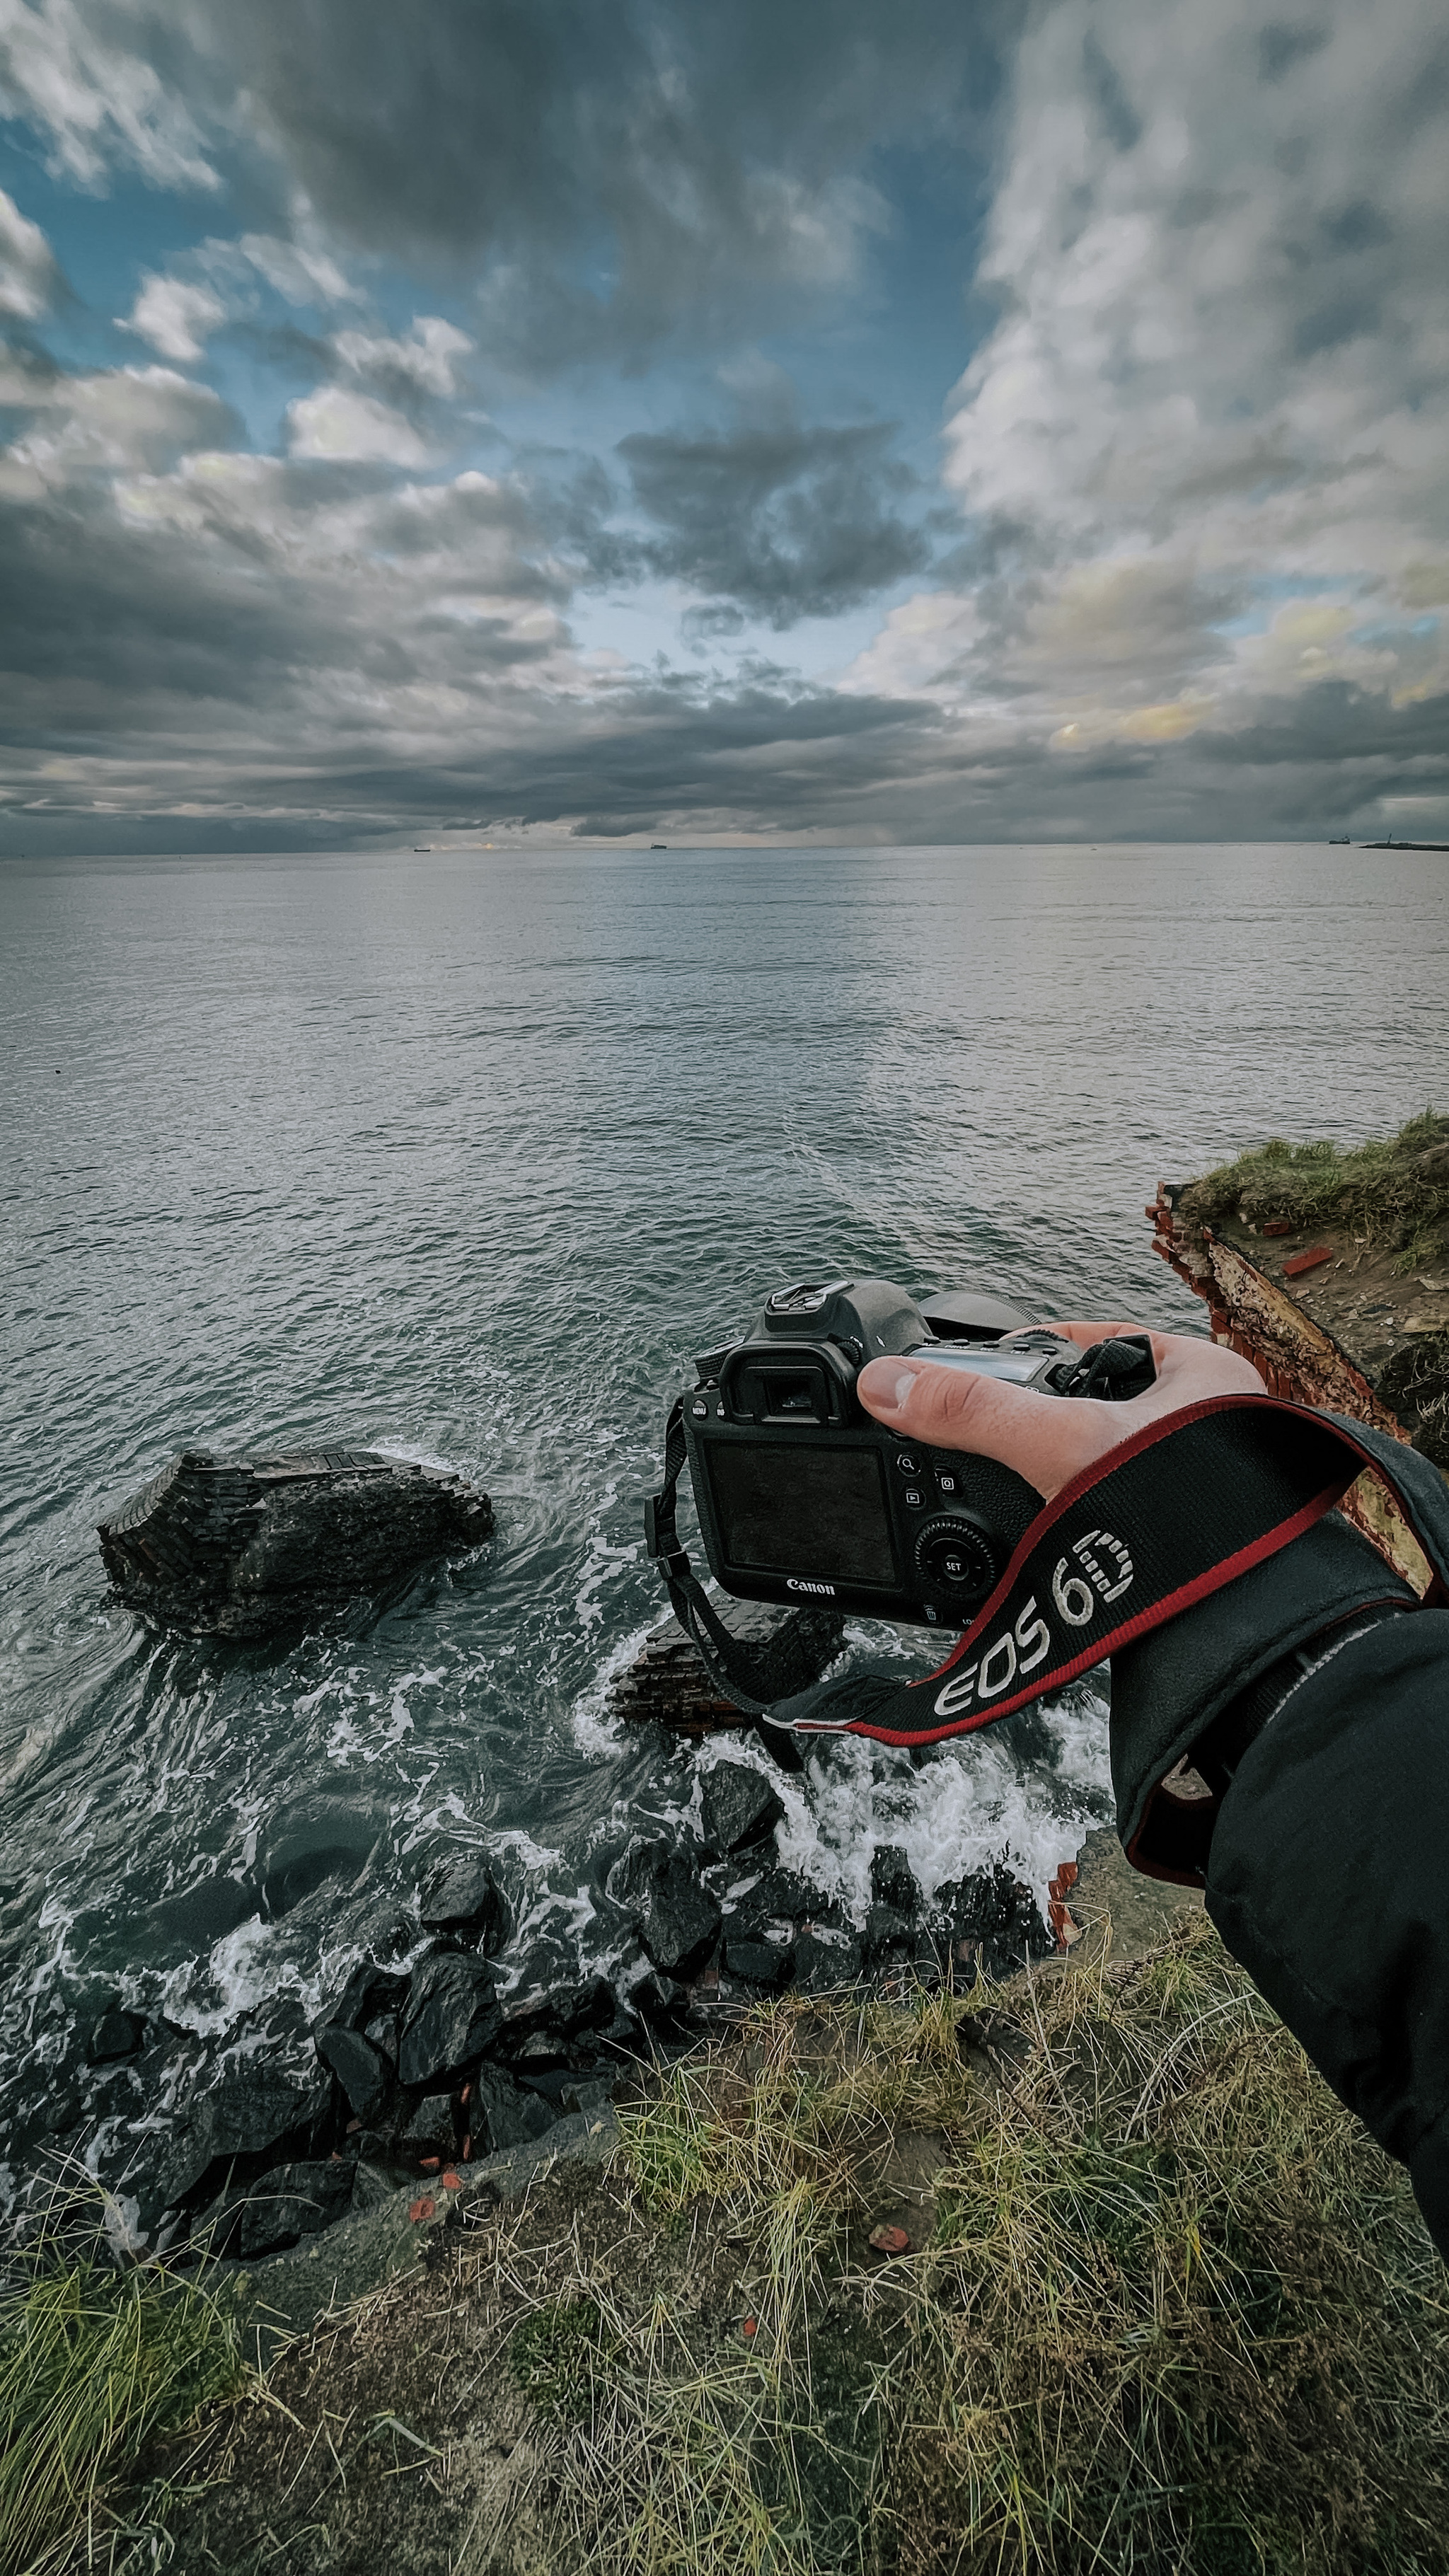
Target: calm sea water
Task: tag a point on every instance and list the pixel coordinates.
(462, 1156)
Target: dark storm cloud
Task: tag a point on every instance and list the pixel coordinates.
(622, 167)
(781, 522)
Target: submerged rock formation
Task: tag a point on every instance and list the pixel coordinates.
(239, 1547)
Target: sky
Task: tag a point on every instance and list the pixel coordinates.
(635, 420)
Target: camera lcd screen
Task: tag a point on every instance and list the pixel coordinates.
(802, 1511)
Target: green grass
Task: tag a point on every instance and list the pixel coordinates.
(1178, 2314)
(94, 2362)
(1393, 1192)
(1168, 2312)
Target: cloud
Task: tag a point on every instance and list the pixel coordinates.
(1194, 461)
(122, 420)
(29, 275)
(102, 101)
(1199, 455)
(175, 317)
(607, 177)
(426, 361)
(336, 424)
(780, 521)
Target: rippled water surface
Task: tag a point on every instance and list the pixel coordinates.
(462, 1155)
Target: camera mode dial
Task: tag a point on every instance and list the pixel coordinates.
(956, 1557)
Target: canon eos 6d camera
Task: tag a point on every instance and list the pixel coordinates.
(804, 1498)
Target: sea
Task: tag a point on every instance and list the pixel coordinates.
(461, 1154)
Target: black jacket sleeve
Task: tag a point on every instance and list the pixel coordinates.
(1285, 1746)
(1327, 1880)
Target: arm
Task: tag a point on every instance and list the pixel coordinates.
(1283, 1744)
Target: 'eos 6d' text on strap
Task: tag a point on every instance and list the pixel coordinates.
(1182, 1508)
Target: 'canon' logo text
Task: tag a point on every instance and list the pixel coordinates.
(793, 1584)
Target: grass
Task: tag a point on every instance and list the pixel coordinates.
(1386, 1191)
(1177, 2313)
(1168, 2311)
(95, 2362)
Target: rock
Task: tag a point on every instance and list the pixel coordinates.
(759, 1963)
(116, 2035)
(825, 1959)
(239, 2126)
(992, 1924)
(790, 1898)
(503, 2114)
(241, 1547)
(892, 1881)
(374, 2184)
(432, 2129)
(369, 1991)
(295, 2200)
(660, 2002)
(451, 2019)
(678, 1919)
(364, 2075)
(668, 1680)
(589, 2094)
(384, 2033)
(738, 1807)
(464, 1896)
(885, 1931)
(555, 2018)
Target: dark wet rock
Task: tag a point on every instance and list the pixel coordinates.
(451, 2019)
(780, 1896)
(116, 2035)
(384, 2033)
(990, 1923)
(373, 2184)
(369, 1991)
(631, 1874)
(678, 1919)
(541, 2052)
(464, 1896)
(293, 2201)
(241, 1547)
(238, 2126)
(555, 2017)
(759, 1963)
(738, 1807)
(885, 1932)
(892, 1881)
(364, 2075)
(502, 2114)
(432, 2130)
(824, 1959)
(660, 2002)
(589, 2094)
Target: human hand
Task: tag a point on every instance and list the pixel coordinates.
(1048, 1439)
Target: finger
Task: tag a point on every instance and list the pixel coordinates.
(1086, 1334)
(1043, 1439)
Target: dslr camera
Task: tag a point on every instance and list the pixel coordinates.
(805, 1499)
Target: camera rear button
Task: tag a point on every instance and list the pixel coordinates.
(700, 1412)
(913, 1498)
(948, 1480)
(907, 1462)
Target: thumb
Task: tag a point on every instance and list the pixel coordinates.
(955, 1409)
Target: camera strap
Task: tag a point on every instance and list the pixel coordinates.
(1180, 1509)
